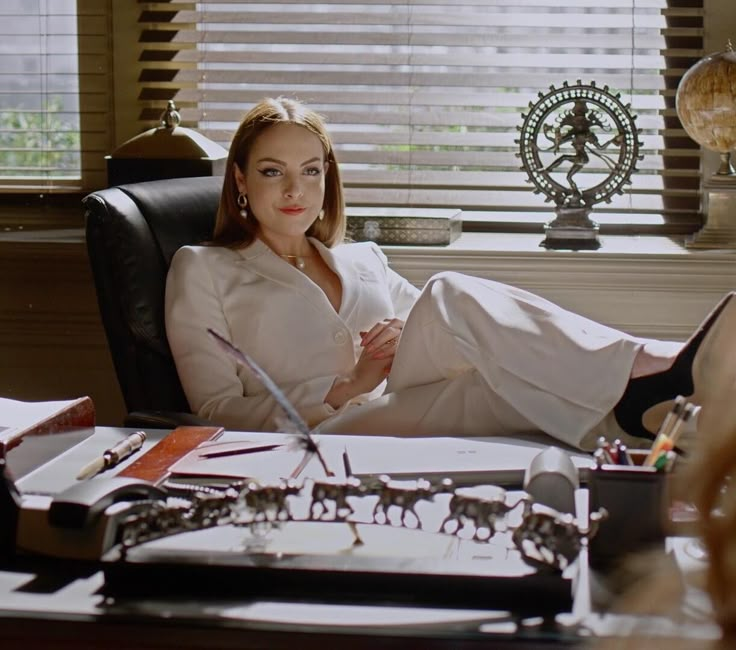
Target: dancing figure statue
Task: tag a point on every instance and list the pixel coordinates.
(572, 125)
(576, 128)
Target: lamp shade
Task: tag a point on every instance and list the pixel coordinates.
(706, 102)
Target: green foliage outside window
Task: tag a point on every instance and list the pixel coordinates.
(38, 143)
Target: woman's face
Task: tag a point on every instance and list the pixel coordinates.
(284, 180)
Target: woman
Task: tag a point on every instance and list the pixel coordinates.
(331, 321)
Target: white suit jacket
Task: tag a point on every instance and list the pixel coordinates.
(276, 314)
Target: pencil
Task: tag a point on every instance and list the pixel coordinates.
(677, 428)
(662, 441)
(239, 451)
(346, 463)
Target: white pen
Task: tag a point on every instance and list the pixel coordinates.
(113, 456)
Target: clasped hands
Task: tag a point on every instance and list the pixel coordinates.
(379, 347)
(380, 341)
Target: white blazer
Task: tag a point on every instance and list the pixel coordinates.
(276, 314)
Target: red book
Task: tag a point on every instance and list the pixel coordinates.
(19, 419)
(154, 464)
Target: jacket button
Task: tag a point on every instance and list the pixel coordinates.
(339, 337)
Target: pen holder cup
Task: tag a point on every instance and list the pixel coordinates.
(637, 501)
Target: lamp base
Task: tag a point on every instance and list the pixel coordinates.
(719, 229)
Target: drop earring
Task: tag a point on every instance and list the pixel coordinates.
(321, 215)
(243, 204)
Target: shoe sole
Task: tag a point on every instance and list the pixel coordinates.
(717, 350)
(715, 361)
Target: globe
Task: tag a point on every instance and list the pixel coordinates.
(706, 105)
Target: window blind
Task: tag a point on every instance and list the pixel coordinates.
(424, 98)
(54, 95)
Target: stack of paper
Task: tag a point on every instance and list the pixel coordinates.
(19, 418)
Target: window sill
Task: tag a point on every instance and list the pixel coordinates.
(479, 249)
(475, 243)
(43, 236)
(646, 285)
(469, 244)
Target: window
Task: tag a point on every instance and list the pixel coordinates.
(424, 97)
(54, 97)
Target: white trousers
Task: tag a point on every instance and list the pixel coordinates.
(480, 358)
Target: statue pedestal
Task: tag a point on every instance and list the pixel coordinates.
(719, 229)
(572, 229)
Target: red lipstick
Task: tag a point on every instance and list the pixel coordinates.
(293, 210)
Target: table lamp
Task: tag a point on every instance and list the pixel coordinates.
(706, 106)
(166, 151)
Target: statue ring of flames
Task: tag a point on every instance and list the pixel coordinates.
(574, 132)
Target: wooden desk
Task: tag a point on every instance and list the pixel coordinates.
(58, 609)
(46, 603)
(56, 606)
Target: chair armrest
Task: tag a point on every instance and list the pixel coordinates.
(164, 420)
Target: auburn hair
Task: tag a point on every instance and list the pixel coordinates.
(231, 229)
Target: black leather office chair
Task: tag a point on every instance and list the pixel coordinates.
(132, 233)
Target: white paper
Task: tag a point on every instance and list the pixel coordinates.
(264, 466)
(17, 416)
(497, 460)
(490, 460)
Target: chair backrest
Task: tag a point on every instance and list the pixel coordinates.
(132, 233)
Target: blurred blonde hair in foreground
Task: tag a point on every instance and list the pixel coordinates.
(706, 482)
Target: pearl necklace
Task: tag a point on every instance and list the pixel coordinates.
(297, 260)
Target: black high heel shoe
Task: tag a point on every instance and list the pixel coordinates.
(644, 392)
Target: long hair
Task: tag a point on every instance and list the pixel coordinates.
(713, 491)
(231, 229)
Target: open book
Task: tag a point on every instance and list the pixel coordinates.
(19, 418)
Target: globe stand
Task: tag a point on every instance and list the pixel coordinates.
(725, 172)
(706, 105)
(572, 229)
(719, 229)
